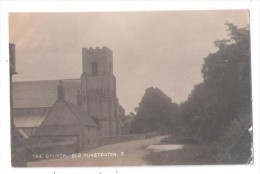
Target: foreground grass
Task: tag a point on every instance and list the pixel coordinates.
(189, 155)
(195, 153)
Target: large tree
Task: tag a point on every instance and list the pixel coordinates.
(218, 111)
(154, 113)
(227, 74)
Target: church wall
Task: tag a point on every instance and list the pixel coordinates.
(104, 128)
(70, 90)
(117, 121)
(113, 128)
(90, 138)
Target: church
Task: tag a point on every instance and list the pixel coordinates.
(65, 110)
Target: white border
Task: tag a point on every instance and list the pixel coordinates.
(83, 6)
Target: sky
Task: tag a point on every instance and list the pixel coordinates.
(150, 49)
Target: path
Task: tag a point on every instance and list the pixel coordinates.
(129, 153)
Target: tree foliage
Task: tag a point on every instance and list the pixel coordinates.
(126, 123)
(155, 112)
(218, 110)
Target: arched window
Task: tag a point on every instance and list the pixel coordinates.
(94, 68)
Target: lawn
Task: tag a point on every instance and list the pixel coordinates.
(189, 155)
(192, 153)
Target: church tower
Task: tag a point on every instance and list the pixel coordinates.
(98, 89)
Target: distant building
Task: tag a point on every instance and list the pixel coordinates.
(71, 109)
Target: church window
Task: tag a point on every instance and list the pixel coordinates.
(110, 67)
(94, 68)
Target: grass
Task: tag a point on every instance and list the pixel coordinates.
(189, 155)
(180, 140)
(196, 155)
(193, 153)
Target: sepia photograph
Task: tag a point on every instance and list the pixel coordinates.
(139, 88)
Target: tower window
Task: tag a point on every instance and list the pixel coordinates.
(94, 68)
(110, 67)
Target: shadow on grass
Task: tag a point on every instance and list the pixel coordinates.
(189, 155)
(194, 153)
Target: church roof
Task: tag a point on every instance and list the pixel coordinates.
(81, 114)
(36, 94)
(28, 120)
(68, 128)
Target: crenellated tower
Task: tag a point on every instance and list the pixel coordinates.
(98, 89)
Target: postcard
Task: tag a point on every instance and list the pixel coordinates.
(146, 88)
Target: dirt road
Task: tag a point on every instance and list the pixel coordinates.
(129, 153)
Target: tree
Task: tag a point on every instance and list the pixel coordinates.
(126, 123)
(218, 111)
(227, 74)
(192, 112)
(154, 113)
(121, 112)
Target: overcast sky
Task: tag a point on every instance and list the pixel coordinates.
(159, 49)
